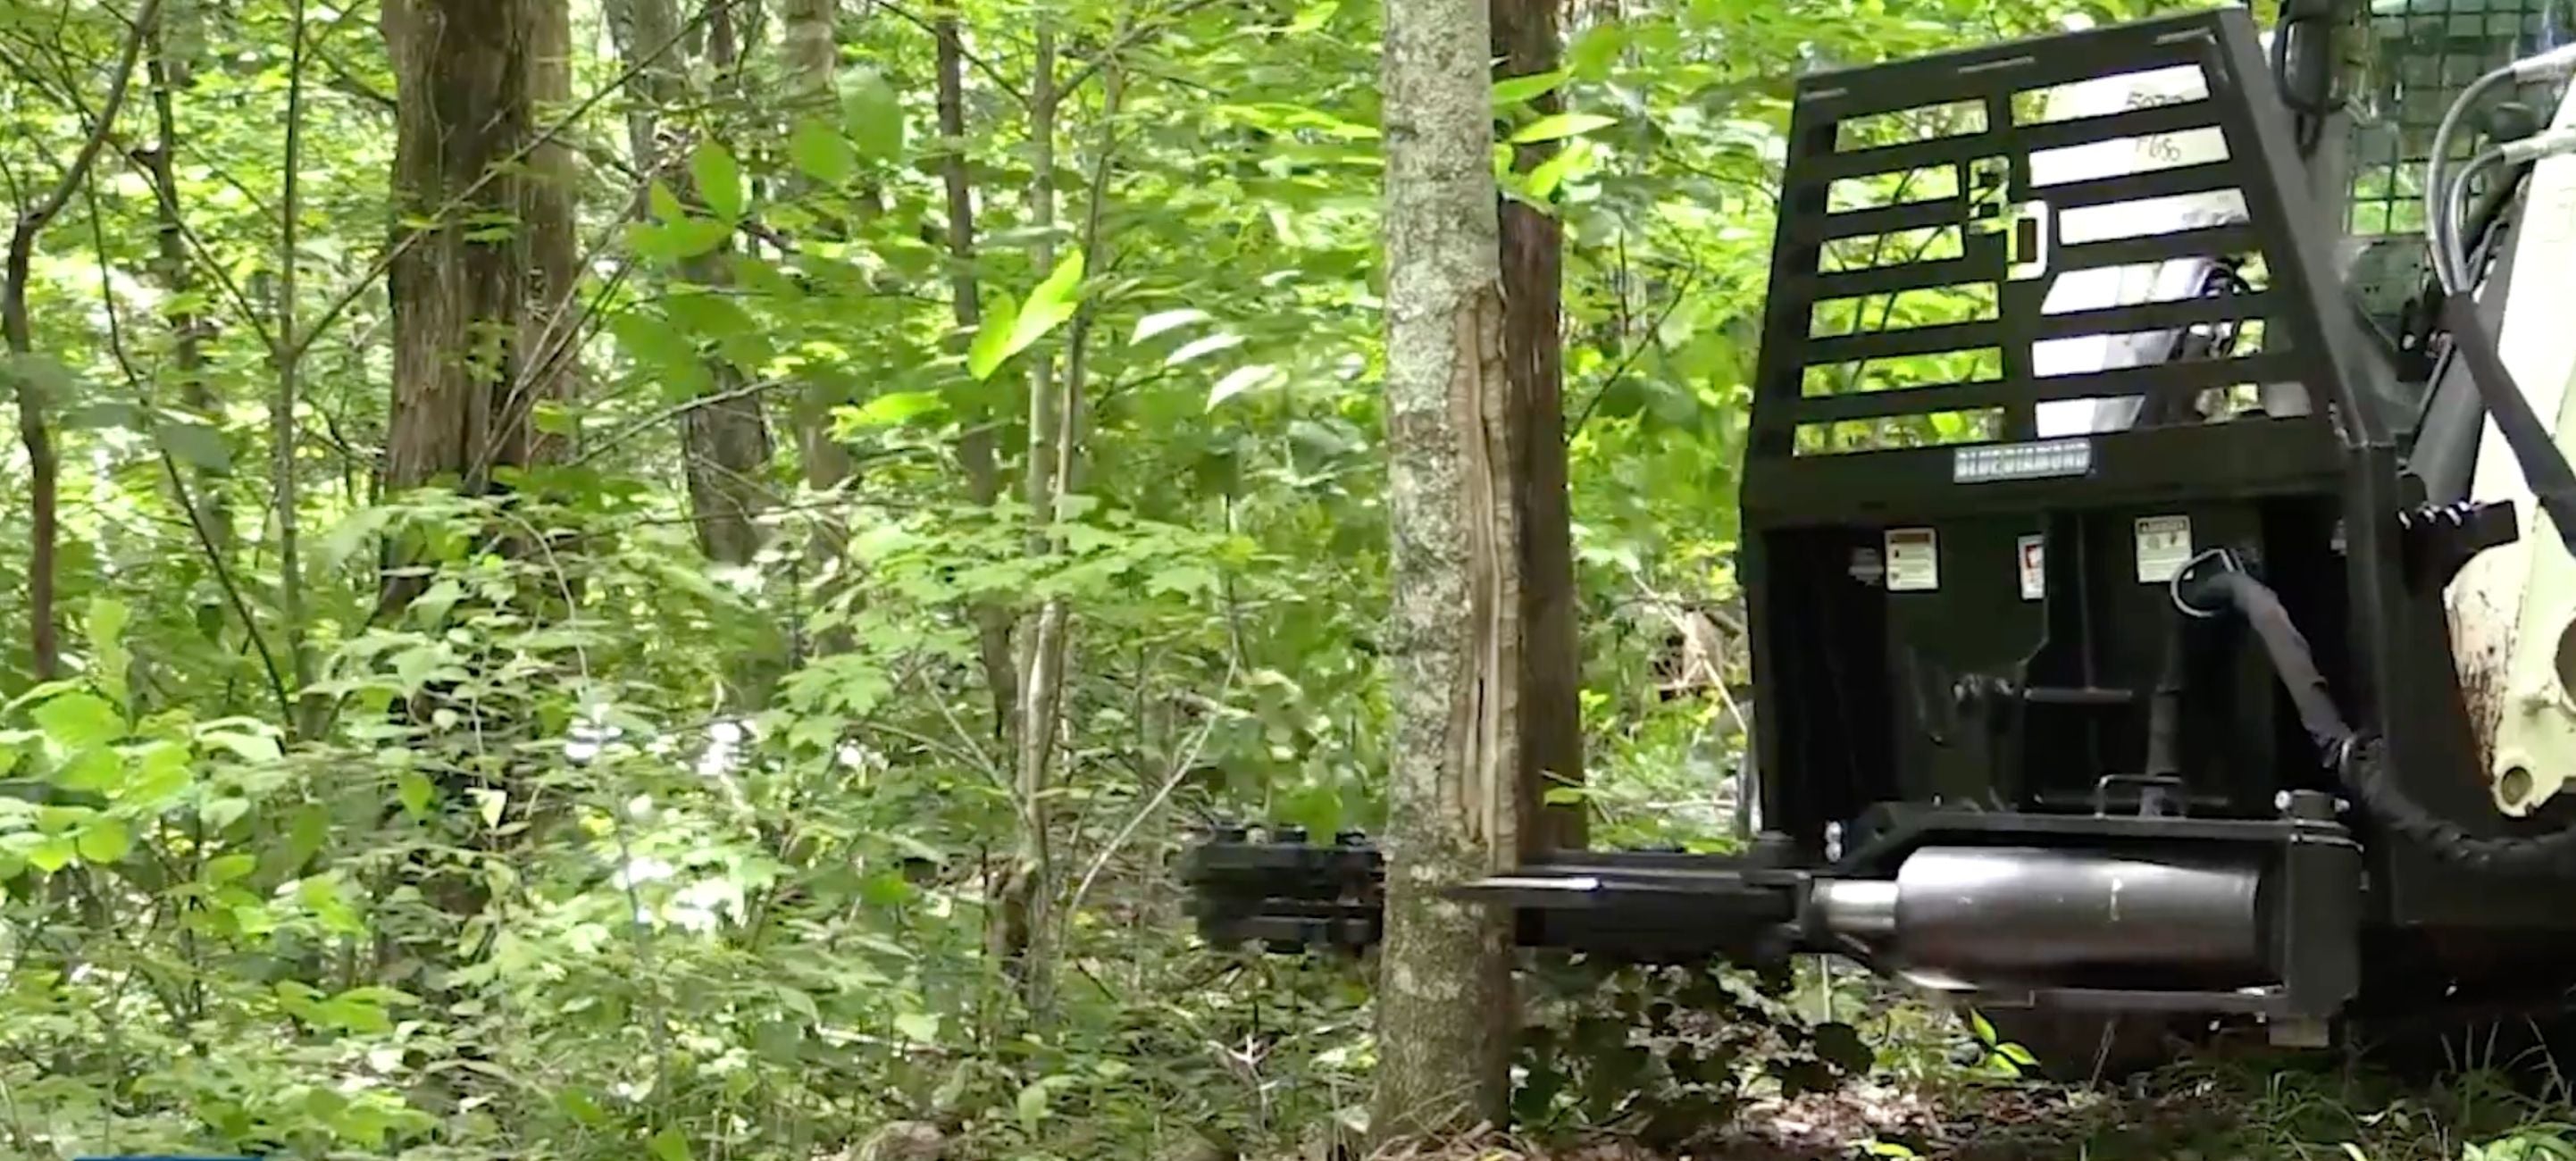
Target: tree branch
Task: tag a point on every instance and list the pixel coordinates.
(43, 466)
(170, 466)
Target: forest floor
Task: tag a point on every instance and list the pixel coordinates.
(2211, 1111)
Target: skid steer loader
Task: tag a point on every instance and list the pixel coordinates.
(2156, 540)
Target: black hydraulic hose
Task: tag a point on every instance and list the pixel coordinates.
(2362, 761)
(2292, 660)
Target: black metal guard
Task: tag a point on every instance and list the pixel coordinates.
(1964, 210)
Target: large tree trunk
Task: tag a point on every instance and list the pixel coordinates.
(1446, 1010)
(1551, 717)
(470, 301)
(461, 74)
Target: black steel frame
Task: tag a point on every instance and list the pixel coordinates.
(2330, 874)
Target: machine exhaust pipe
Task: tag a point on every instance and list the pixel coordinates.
(2037, 914)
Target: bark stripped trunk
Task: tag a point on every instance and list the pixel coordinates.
(1446, 1010)
(727, 435)
(976, 452)
(17, 331)
(1551, 712)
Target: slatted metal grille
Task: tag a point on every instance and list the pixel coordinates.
(1962, 236)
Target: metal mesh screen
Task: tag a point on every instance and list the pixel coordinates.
(2423, 53)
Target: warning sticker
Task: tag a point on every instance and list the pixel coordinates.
(2034, 567)
(2164, 547)
(1913, 560)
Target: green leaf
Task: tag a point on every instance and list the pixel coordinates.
(1050, 304)
(898, 406)
(414, 790)
(254, 748)
(2017, 1054)
(666, 204)
(108, 618)
(679, 240)
(918, 1027)
(194, 444)
(51, 853)
(1034, 1099)
(1242, 379)
(43, 375)
(102, 415)
(821, 152)
(223, 869)
(105, 840)
(219, 813)
(1164, 321)
(76, 720)
(489, 803)
(160, 774)
(1595, 53)
(652, 340)
(1203, 347)
(719, 179)
(992, 343)
(1053, 302)
(669, 1145)
(1183, 578)
(873, 115)
(1561, 126)
(94, 770)
(1546, 176)
(1514, 90)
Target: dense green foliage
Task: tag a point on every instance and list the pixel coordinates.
(599, 849)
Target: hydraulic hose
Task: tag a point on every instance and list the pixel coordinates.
(2544, 467)
(2441, 221)
(2361, 761)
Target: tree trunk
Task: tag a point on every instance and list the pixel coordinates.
(976, 450)
(727, 435)
(1023, 891)
(467, 298)
(1446, 1010)
(459, 291)
(171, 70)
(1551, 717)
(286, 359)
(550, 331)
(813, 58)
